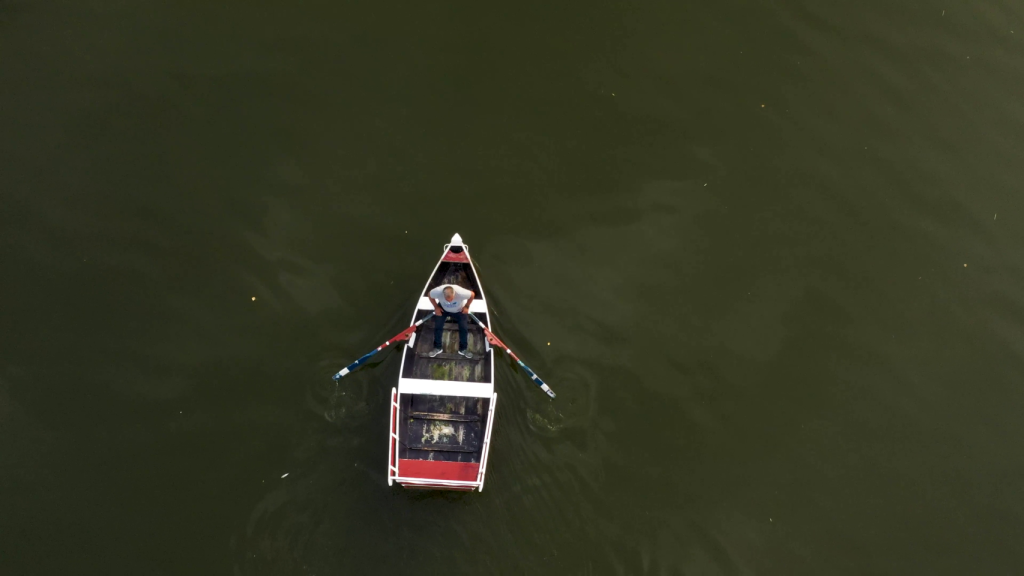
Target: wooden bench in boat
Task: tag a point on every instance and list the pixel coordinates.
(447, 356)
(436, 416)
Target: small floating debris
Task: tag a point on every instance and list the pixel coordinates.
(285, 474)
(253, 298)
(965, 265)
(994, 215)
(549, 343)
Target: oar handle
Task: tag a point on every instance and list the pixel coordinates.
(533, 375)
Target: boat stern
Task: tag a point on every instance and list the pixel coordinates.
(439, 450)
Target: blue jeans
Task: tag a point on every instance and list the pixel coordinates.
(463, 328)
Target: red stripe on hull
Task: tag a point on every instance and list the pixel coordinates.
(450, 256)
(430, 470)
(438, 487)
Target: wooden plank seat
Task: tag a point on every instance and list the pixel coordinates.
(444, 447)
(448, 356)
(452, 417)
(454, 405)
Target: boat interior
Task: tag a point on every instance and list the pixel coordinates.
(449, 365)
(442, 428)
(457, 273)
(446, 428)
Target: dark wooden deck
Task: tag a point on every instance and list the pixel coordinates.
(448, 365)
(442, 428)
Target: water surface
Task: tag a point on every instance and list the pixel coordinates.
(769, 254)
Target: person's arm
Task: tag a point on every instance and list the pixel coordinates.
(472, 295)
(433, 302)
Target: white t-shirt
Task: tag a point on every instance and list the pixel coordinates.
(456, 305)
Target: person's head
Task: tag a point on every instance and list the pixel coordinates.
(449, 293)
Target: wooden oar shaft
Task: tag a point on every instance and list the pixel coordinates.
(403, 335)
(495, 340)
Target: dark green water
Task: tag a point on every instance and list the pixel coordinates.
(742, 226)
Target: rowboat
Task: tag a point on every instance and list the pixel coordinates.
(442, 412)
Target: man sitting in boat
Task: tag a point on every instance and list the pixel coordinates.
(451, 301)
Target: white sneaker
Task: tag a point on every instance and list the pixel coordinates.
(435, 352)
(465, 353)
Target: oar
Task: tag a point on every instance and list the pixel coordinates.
(403, 335)
(494, 340)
